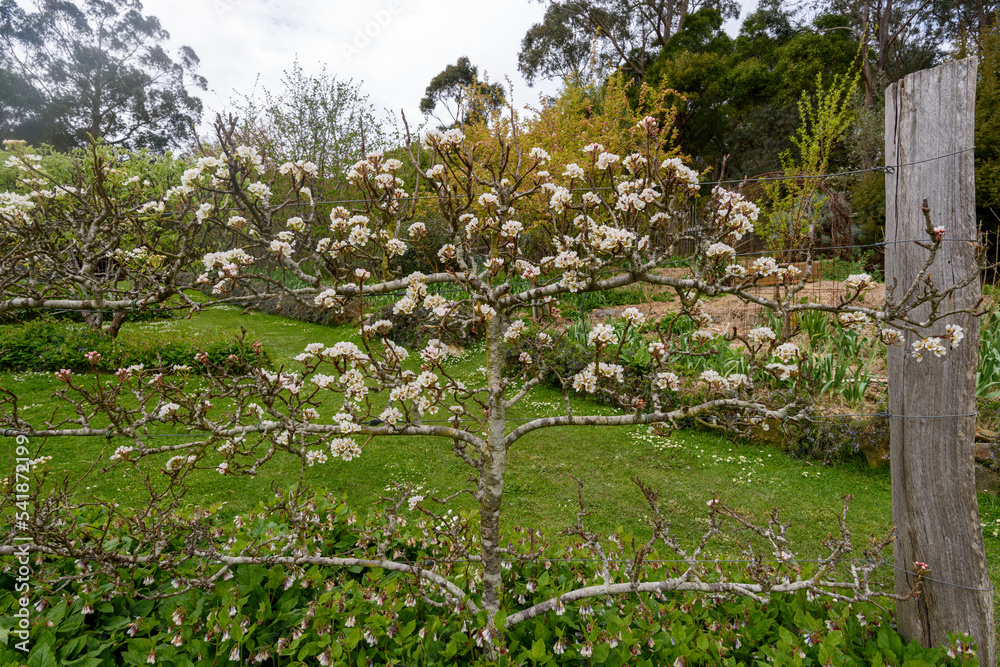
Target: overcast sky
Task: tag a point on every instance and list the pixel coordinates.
(394, 47)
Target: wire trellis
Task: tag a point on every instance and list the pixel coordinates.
(885, 169)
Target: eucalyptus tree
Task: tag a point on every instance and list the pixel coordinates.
(70, 72)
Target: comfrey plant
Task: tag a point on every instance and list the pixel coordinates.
(611, 222)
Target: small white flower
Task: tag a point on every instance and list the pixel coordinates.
(932, 344)
(765, 266)
(539, 155)
(853, 321)
(573, 170)
(892, 336)
(601, 335)
(720, 251)
(760, 335)
(607, 160)
(484, 312)
(786, 352)
(858, 282)
(954, 334)
(634, 317)
(665, 381)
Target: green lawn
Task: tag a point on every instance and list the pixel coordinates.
(688, 467)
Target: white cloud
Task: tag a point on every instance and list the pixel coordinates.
(394, 46)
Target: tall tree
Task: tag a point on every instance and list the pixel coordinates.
(741, 95)
(312, 117)
(69, 71)
(625, 34)
(899, 37)
(557, 48)
(459, 91)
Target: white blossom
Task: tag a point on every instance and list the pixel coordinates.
(666, 380)
(760, 335)
(786, 352)
(857, 282)
(720, 251)
(932, 345)
(573, 170)
(954, 334)
(539, 155)
(607, 160)
(892, 336)
(765, 266)
(634, 317)
(601, 335)
(514, 331)
(853, 321)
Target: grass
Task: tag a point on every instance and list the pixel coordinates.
(688, 467)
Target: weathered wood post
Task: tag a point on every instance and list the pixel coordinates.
(931, 114)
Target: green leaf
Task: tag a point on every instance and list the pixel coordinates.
(42, 657)
(601, 652)
(537, 650)
(72, 646)
(83, 662)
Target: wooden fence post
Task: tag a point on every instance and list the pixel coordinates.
(929, 120)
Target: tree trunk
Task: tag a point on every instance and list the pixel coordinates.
(491, 484)
(115, 327)
(930, 114)
(864, 15)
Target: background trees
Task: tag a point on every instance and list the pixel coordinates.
(625, 34)
(458, 90)
(93, 69)
(315, 117)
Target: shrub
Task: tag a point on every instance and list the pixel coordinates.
(49, 345)
(412, 332)
(151, 313)
(834, 440)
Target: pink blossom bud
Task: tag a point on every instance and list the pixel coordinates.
(63, 375)
(93, 357)
(201, 358)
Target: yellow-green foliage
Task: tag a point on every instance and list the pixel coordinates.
(588, 113)
(792, 204)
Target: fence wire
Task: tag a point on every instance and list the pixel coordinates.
(885, 169)
(749, 313)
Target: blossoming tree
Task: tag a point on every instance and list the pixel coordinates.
(105, 237)
(611, 222)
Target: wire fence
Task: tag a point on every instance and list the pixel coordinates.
(885, 169)
(820, 288)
